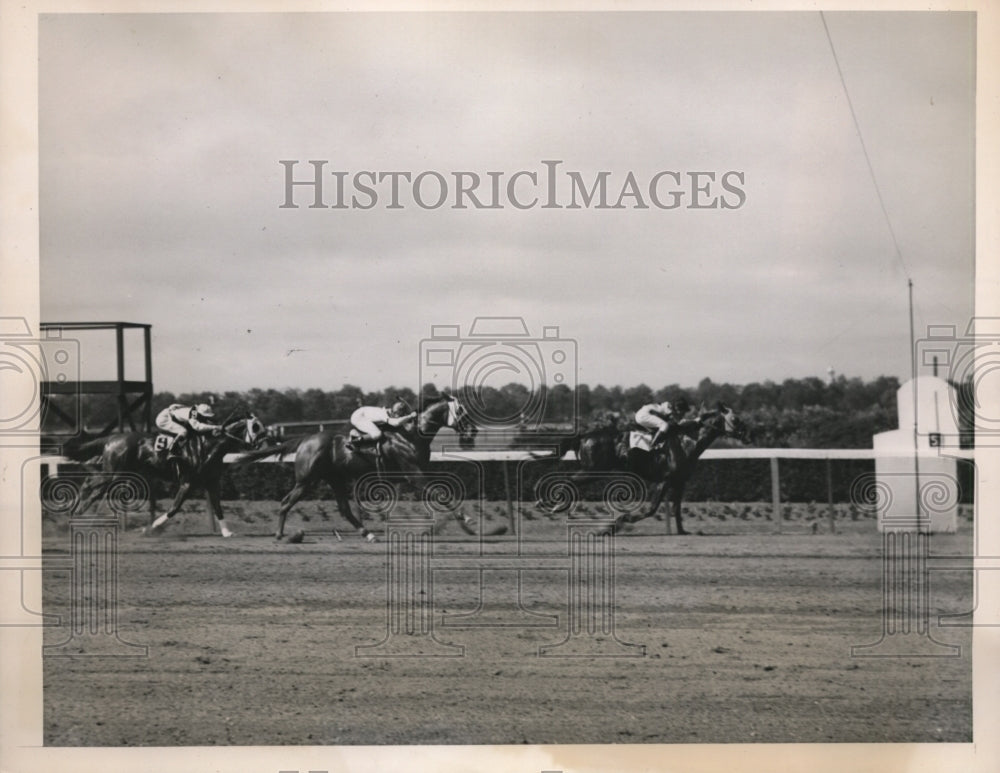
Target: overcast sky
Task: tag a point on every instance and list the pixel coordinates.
(161, 189)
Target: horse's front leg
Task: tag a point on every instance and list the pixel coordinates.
(214, 498)
(675, 507)
(655, 501)
(93, 487)
(152, 502)
(464, 521)
(563, 503)
(182, 494)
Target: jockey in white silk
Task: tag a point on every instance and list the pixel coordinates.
(178, 420)
(659, 416)
(369, 419)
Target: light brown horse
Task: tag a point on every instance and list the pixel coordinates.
(325, 456)
(199, 464)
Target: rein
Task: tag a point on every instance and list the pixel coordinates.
(236, 438)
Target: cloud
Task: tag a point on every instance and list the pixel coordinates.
(161, 136)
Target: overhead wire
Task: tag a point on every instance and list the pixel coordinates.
(864, 148)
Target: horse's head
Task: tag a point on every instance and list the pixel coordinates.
(449, 413)
(248, 429)
(256, 432)
(722, 420)
(461, 421)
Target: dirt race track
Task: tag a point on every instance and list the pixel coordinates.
(747, 637)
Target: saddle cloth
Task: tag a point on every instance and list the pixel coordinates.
(640, 439)
(163, 443)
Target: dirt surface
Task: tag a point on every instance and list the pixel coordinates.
(740, 634)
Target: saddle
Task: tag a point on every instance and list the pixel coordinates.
(367, 447)
(363, 444)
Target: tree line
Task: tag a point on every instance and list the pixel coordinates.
(807, 413)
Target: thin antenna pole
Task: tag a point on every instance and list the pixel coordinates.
(913, 383)
(864, 148)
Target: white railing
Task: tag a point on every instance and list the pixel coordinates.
(774, 455)
(514, 455)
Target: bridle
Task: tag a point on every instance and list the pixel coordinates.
(459, 418)
(250, 436)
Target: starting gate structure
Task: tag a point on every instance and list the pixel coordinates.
(133, 398)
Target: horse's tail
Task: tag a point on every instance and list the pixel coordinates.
(571, 443)
(83, 449)
(290, 446)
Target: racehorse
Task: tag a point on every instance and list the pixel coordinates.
(330, 457)
(199, 463)
(669, 466)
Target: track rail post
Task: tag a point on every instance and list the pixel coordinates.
(776, 493)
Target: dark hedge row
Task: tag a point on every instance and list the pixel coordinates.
(797, 413)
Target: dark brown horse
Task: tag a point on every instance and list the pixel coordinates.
(330, 457)
(669, 466)
(199, 464)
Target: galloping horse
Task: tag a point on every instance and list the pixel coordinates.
(669, 466)
(327, 456)
(199, 464)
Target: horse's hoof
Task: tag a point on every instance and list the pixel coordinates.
(370, 537)
(228, 534)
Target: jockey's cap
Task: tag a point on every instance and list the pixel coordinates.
(205, 411)
(399, 408)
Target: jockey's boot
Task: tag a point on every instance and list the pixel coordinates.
(656, 438)
(174, 452)
(363, 443)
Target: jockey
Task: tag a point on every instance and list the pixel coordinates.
(369, 419)
(178, 420)
(660, 416)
